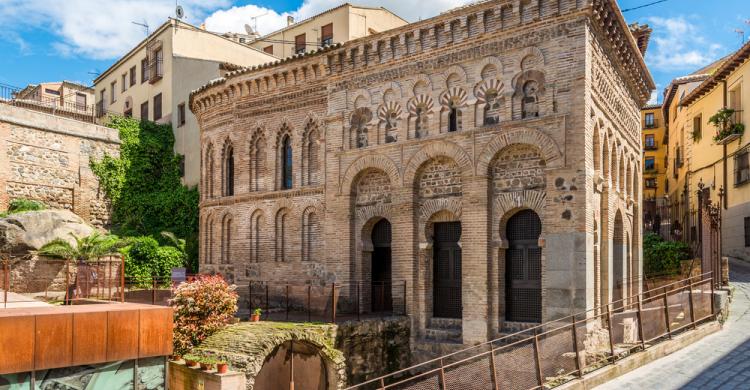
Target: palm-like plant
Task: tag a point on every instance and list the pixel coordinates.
(178, 243)
(88, 248)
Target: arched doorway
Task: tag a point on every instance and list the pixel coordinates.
(523, 268)
(446, 272)
(618, 261)
(293, 365)
(381, 267)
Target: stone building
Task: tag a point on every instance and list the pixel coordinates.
(46, 158)
(490, 157)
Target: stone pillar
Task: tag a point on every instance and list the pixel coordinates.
(403, 256)
(475, 255)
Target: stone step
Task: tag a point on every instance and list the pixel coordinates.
(514, 327)
(445, 323)
(424, 350)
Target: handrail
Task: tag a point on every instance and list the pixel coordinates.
(664, 291)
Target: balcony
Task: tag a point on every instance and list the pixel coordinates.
(650, 124)
(729, 126)
(651, 146)
(155, 70)
(650, 169)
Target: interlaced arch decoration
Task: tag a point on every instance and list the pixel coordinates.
(436, 149)
(389, 115)
(551, 153)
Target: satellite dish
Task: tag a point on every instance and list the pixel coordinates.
(249, 30)
(179, 12)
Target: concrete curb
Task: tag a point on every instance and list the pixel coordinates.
(639, 359)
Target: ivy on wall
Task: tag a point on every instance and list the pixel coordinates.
(144, 185)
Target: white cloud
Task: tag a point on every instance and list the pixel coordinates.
(678, 45)
(235, 18)
(97, 29)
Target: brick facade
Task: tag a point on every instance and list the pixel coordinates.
(46, 158)
(471, 116)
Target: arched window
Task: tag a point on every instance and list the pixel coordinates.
(286, 163)
(359, 122)
(209, 173)
(491, 113)
(257, 163)
(256, 222)
(454, 118)
(207, 239)
(530, 102)
(226, 240)
(420, 122)
(310, 163)
(309, 235)
(281, 235)
(229, 171)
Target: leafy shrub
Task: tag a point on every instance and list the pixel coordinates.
(144, 259)
(663, 257)
(23, 205)
(144, 185)
(201, 308)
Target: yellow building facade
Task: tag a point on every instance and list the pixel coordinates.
(337, 25)
(720, 155)
(654, 152)
(154, 80)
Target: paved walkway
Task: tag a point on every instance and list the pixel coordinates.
(719, 361)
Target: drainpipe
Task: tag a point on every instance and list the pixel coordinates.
(725, 201)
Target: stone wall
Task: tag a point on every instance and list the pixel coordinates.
(373, 347)
(470, 117)
(46, 158)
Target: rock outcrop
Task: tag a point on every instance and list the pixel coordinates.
(28, 231)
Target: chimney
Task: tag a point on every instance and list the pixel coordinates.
(203, 26)
(289, 20)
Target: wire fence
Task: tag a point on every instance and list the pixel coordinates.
(559, 351)
(334, 302)
(33, 282)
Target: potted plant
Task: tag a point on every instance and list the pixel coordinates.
(724, 121)
(207, 363)
(191, 360)
(255, 317)
(222, 367)
(175, 357)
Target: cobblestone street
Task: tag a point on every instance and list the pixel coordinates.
(719, 361)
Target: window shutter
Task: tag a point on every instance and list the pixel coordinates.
(327, 32)
(299, 43)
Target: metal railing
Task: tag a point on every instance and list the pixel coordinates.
(651, 124)
(333, 302)
(652, 146)
(559, 351)
(54, 106)
(155, 70)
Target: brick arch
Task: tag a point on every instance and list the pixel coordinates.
(417, 78)
(376, 161)
(437, 149)
(443, 76)
(431, 207)
(530, 51)
(508, 204)
(354, 95)
(396, 87)
(550, 152)
(489, 60)
(281, 204)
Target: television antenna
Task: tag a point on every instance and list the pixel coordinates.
(741, 33)
(255, 21)
(144, 25)
(179, 12)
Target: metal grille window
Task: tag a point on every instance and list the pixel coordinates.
(144, 70)
(649, 164)
(286, 161)
(326, 34)
(649, 121)
(157, 107)
(650, 142)
(747, 232)
(132, 76)
(300, 44)
(181, 114)
(742, 167)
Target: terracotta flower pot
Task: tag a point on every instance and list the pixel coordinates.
(222, 368)
(255, 317)
(191, 363)
(207, 366)
(176, 358)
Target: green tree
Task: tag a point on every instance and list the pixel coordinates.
(88, 248)
(143, 184)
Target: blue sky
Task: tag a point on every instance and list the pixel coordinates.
(49, 40)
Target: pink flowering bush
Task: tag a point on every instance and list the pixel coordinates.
(201, 308)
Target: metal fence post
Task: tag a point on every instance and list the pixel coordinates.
(713, 308)
(357, 304)
(692, 307)
(640, 322)
(287, 301)
(153, 290)
(575, 345)
(538, 361)
(493, 371)
(268, 313)
(666, 315)
(122, 280)
(442, 376)
(609, 327)
(333, 302)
